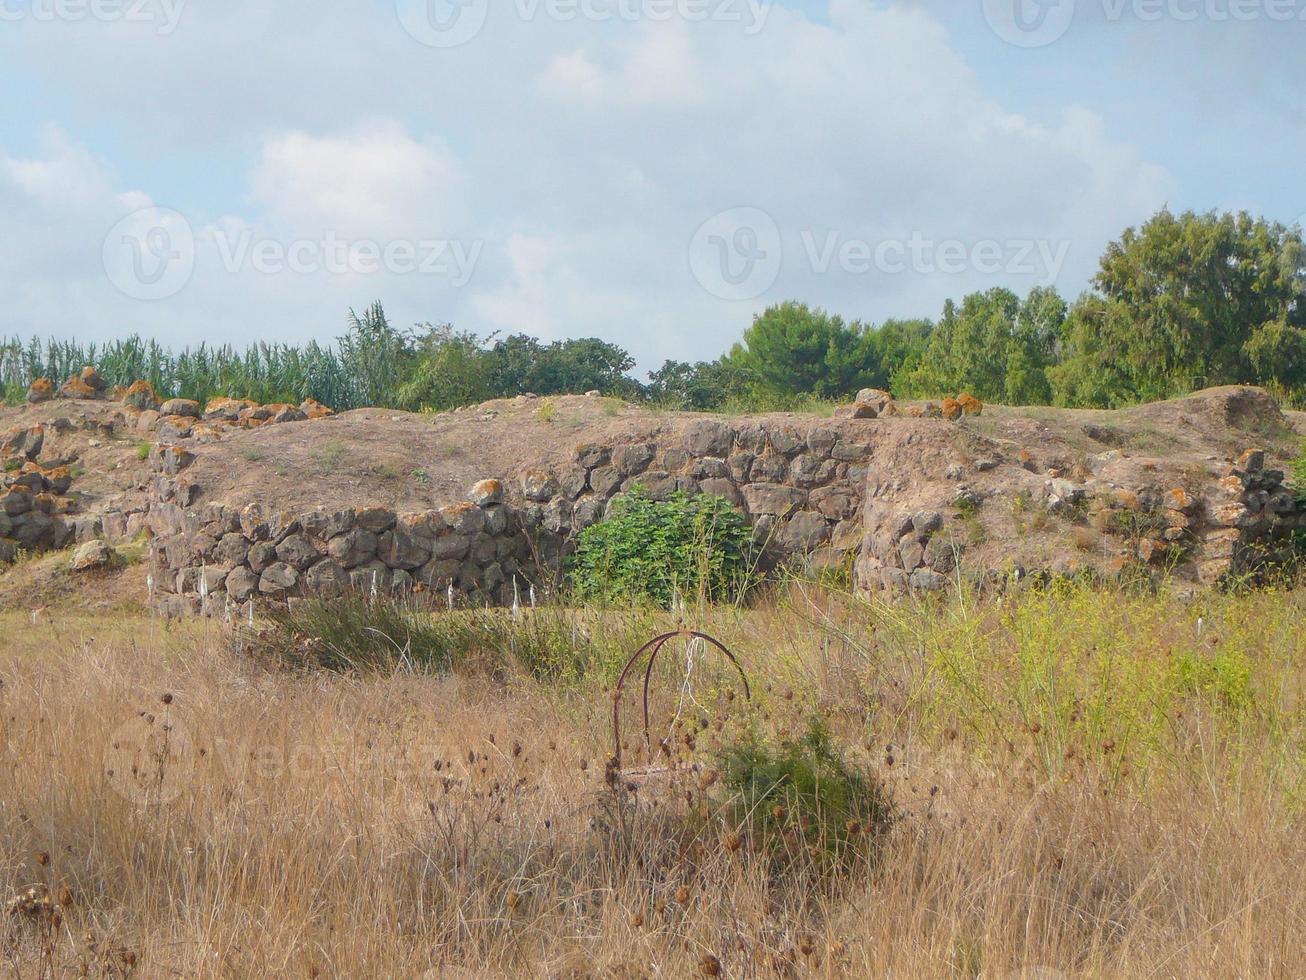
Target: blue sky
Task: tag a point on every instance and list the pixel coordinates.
(653, 172)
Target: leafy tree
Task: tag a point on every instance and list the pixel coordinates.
(453, 369)
(1187, 301)
(995, 346)
(792, 349)
(899, 347)
(698, 387)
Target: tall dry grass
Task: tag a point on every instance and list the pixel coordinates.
(1087, 784)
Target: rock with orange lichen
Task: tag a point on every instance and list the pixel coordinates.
(970, 405)
(76, 388)
(40, 390)
(951, 409)
(314, 409)
(227, 409)
(141, 395)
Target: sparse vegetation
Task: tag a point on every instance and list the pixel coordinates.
(1088, 782)
(328, 457)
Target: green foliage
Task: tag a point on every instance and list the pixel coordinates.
(995, 346)
(804, 788)
(791, 349)
(459, 368)
(358, 634)
(655, 551)
(1299, 473)
(1184, 302)
(143, 451)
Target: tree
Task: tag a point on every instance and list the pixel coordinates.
(793, 350)
(899, 347)
(562, 367)
(453, 369)
(994, 346)
(698, 387)
(380, 357)
(1184, 302)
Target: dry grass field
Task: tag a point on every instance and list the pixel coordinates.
(1084, 784)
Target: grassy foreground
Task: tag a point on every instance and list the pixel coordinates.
(1085, 784)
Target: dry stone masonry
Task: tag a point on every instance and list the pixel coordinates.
(916, 498)
(801, 486)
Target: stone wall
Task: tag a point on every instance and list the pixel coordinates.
(217, 559)
(801, 487)
(1124, 517)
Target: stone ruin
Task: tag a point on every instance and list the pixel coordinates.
(907, 499)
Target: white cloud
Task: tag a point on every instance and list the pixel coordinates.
(376, 180)
(582, 156)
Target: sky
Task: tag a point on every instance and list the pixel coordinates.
(651, 172)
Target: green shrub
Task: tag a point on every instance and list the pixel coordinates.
(804, 791)
(143, 451)
(654, 551)
(1299, 473)
(357, 633)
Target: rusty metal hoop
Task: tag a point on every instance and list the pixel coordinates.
(653, 647)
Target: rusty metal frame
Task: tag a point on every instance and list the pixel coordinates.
(653, 647)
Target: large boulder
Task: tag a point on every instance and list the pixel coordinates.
(486, 493)
(141, 395)
(278, 579)
(241, 583)
(40, 390)
(92, 555)
(184, 407)
(539, 486)
(709, 438)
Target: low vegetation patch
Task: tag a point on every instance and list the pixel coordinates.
(696, 548)
(802, 799)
